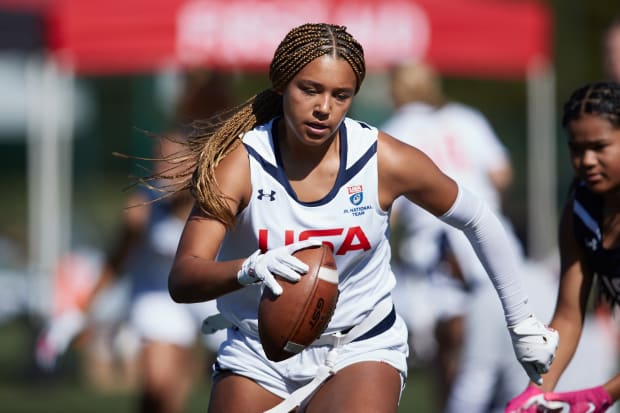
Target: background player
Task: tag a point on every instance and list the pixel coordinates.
(588, 238)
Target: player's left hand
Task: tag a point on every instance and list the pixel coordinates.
(592, 400)
(535, 345)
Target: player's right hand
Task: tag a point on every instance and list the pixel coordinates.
(535, 345)
(280, 261)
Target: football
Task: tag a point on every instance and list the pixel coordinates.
(290, 322)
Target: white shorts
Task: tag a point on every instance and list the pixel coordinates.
(155, 316)
(243, 355)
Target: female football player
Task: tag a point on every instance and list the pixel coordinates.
(289, 169)
(589, 240)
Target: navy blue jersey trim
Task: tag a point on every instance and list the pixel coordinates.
(344, 175)
(363, 124)
(361, 162)
(270, 168)
(586, 219)
(605, 263)
(283, 179)
(587, 210)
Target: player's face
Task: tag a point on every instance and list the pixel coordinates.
(317, 99)
(594, 146)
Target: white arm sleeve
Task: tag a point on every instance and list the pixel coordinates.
(488, 238)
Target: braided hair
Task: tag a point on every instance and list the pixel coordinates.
(600, 98)
(215, 137)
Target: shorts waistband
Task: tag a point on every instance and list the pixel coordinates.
(383, 326)
(379, 320)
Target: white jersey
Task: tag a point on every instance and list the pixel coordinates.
(349, 219)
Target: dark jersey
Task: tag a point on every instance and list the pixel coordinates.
(605, 263)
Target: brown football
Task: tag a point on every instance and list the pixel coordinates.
(290, 322)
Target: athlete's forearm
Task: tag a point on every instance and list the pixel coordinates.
(570, 332)
(488, 238)
(195, 279)
(613, 387)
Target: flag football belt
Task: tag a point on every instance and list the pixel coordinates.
(380, 319)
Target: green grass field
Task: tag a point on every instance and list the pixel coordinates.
(24, 389)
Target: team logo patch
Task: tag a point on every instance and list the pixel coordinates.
(356, 194)
(356, 197)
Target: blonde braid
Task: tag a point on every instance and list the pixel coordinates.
(211, 147)
(216, 137)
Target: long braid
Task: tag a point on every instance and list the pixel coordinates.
(216, 137)
(600, 98)
(213, 143)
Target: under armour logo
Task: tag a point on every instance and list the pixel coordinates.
(262, 194)
(591, 244)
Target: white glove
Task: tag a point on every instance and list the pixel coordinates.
(280, 261)
(535, 345)
(56, 337)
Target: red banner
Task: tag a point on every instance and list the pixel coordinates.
(465, 37)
